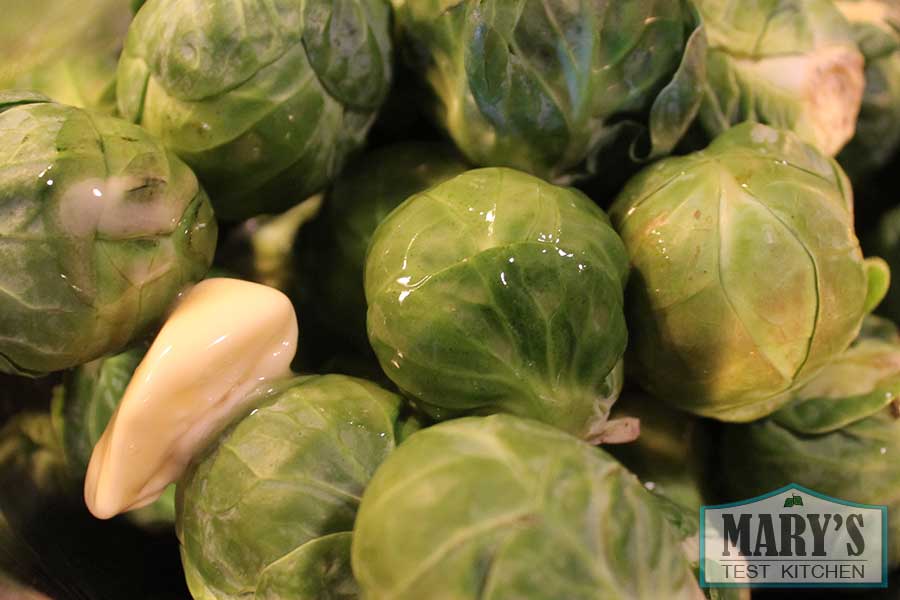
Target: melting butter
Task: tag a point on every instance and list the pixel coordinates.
(225, 338)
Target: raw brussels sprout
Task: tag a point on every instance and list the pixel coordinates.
(91, 394)
(670, 455)
(264, 100)
(748, 277)
(543, 86)
(877, 27)
(503, 507)
(498, 292)
(65, 49)
(334, 251)
(269, 508)
(840, 435)
(104, 227)
(792, 64)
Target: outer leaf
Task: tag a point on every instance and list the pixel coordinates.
(859, 383)
(276, 495)
(502, 507)
(264, 100)
(497, 292)
(710, 236)
(104, 226)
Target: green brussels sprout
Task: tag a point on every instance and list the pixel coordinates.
(791, 64)
(263, 100)
(498, 292)
(748, 277)
(877, 27)
(269, 508)
(104, 226)
(67, 50)
(544, 86)
(504, 507)
(670, 455)
(89, 398)
(334, 250)
(839, 435)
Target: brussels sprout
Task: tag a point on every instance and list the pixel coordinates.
(542, 86)
(265, 101)
(877, 27)
(104, 227)
(91, 394)
(65, 49)
(503, 507)
(839, 435)
(748, 277)
(792, 64)
(334, 250)
(268, 509)
(670, 455)
(498, 292)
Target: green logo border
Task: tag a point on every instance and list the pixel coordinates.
(806, 490)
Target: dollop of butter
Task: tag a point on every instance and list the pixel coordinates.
(225, 338)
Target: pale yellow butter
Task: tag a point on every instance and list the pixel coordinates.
(224, 339)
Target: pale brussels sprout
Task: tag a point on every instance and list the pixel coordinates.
(334, 248)
(263, 100)
(747, 274)
(840, 435)
(67, 50)
(104, 227)
(90, 396)
(543, 86)
(498, 292)
(267, 511)
(502, 507)
(877, 27)
(792, 64)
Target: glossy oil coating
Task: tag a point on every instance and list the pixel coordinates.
(498, 292)
(102, 228)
